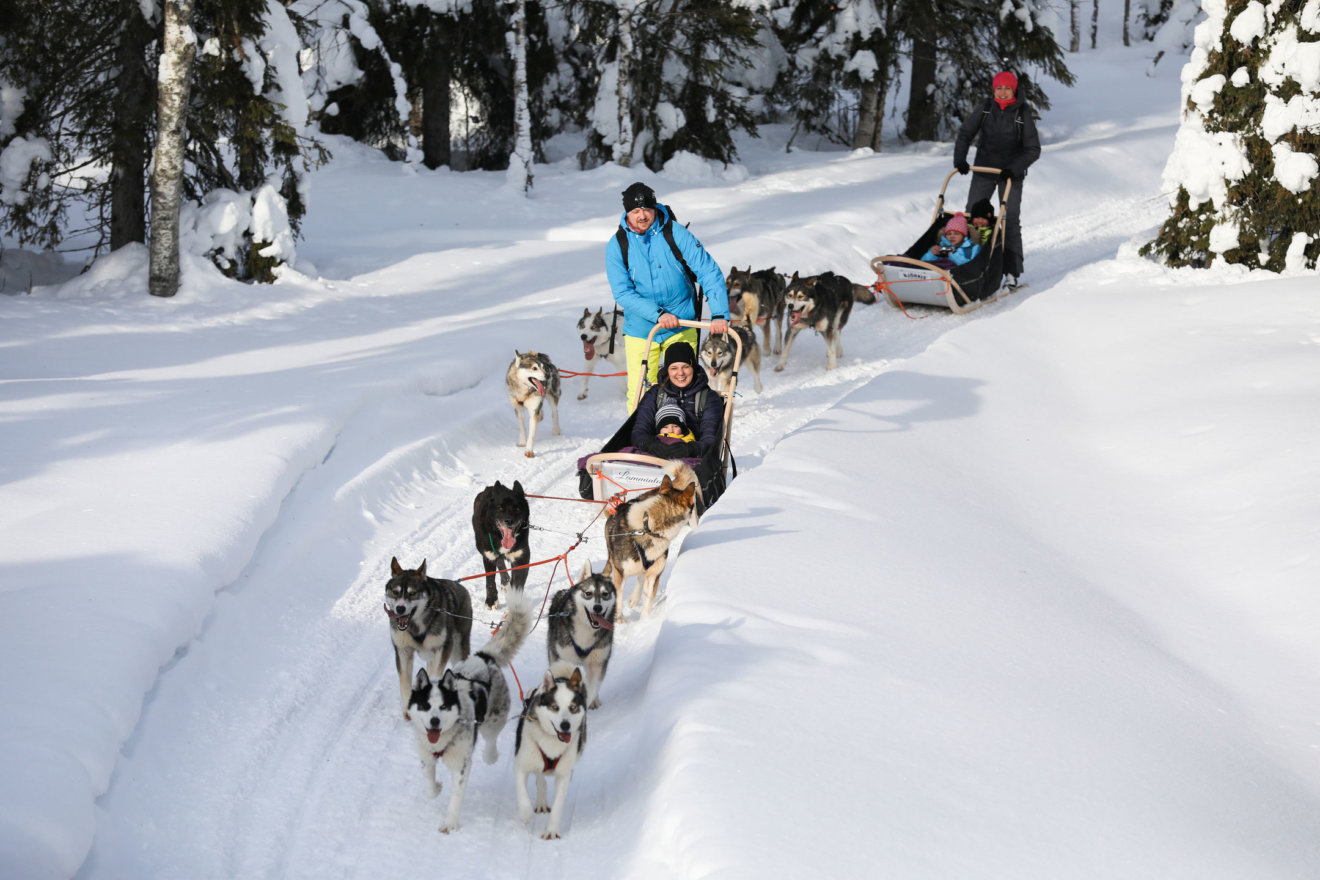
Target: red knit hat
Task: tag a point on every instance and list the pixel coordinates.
(957, 223)
(1005, 79)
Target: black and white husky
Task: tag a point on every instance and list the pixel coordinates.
(822, 302)
(596, 332)
(552, 731)
(532, 379)
(581, 628)
(428, 616)
(448, 712)
(718, 352)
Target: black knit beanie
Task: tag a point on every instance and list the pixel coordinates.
(639, 195)
(984, 209)
(680, 353)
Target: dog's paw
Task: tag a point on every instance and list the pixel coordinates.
(551, 835)
(582, 396)
(779, 368)
(406, 716)
(530, 454)
(542, 808)
(447, 827)
(595, 704)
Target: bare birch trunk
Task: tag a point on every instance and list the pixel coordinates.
(624, 148)
(176, 60)
(520, 163)
(867, 123)
(1127, 17)
(1075, 10)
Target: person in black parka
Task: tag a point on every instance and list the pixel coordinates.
(683, 386)
(1009, 141)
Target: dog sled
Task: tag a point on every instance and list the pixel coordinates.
(906, 279)
(619, 468)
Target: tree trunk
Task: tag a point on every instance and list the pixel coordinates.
(1075, 10)
(520, 163)
(435, 101)
(624, 147)
(176, 60)
(1095, 20)
(1127, 17)
(868, 125)
(921, 121)
(128, 147)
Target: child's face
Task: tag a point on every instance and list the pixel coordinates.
(980, 221)
(954, 236)
(671, 430)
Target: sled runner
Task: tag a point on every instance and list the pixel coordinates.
(620, 468)
(905, 278)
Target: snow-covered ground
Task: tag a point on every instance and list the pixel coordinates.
(1028, 593)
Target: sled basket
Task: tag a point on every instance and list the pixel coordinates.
(619, 468)
(905, 278)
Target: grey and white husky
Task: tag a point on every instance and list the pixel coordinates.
(581, 628)
(552, 731)
(429, 616)
(639, 532)
(448, 712)
(531, 380)
(718, 352)
(596, 332)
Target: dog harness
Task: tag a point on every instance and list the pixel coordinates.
(549, 763)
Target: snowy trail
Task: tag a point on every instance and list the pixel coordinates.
(308, 769)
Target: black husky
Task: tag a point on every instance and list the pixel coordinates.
(500, 527)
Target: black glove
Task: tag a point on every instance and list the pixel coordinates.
(1006, 174)
(962, 167)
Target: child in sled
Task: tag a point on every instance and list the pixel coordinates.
(954, 247)
(982, 219)
(670, 425)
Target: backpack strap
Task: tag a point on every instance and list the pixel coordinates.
(668, 231)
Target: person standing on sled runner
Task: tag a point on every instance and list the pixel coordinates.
(1009, 142)
(653, 265)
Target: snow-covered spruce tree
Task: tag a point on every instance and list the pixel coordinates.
(678, 76)
(1243, 178)
(80, 95)
(841, 60)
(247, 129)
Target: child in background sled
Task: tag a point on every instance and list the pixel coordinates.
(670, 426)
(982, 217)
(954, 247)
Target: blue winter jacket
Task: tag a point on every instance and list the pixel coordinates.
(654, 281)
(963, 253)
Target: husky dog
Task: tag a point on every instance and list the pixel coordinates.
(427, 615)
(639, 532)
(468, 699)
(823, 303)
(597, 332)
(500, 527)
(759, 294)
(552, 730)
(531, 380)
(582, 628)
(718, 352)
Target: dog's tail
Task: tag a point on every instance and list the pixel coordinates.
(682, 475)
(513, 631)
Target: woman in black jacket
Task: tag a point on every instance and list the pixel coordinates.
(685, 386)
(1009, 142)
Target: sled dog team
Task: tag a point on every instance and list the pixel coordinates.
(458, 694)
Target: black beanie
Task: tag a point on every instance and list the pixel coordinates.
(680, 353)
(639, 195)
(984, 209)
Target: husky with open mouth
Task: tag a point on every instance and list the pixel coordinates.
(531, 380)
(500, 527)
(581, 628)
(820, 302)
(429, 616)
(471, 698)
(597, 332)
(552, 730)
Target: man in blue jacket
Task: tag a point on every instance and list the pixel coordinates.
(651, 282)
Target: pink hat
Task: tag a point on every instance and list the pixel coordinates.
(957, 223)
(1005, 79)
